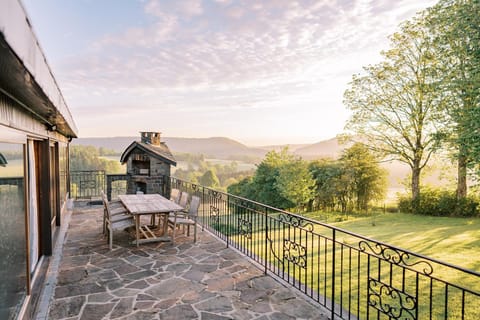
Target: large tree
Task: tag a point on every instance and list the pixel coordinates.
(455, 25)
(366, 178)
(295, 183)
(329, 185)
(395, 104)
(281, 180)
(209, 179)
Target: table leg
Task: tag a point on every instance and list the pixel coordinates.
(165, 224)
(137, 226)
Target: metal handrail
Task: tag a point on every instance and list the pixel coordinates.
(351, 275)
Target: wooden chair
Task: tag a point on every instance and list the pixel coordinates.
(175, 195)
(183, 202)
(116, 220)
(116, 207)
(188, 219)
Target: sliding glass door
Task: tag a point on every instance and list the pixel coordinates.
(13, 266)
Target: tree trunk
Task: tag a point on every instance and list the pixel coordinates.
(462, 176)
(415, 185)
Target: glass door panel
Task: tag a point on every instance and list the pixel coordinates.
(13, 266)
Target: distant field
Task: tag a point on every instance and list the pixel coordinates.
(13, 169)
(241, 166)
(452, 240)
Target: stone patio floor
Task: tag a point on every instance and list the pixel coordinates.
(205, 280)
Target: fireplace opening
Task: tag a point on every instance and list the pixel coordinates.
(140, 187)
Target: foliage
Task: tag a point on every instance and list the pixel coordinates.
(281, 180)
(242, 188)
(396, 102)
(264, 184)
(330, 189)
(88, 158)
(454, 25)
(367, 181)
(295, 182)
(198, 166)
(352, 182)
(437, 202)
(107, 152)
(209, 179)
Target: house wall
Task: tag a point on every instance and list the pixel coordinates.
(33, 190)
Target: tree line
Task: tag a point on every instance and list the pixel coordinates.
(423, 97)
(285, 181)
(216, 176)
(90, 158)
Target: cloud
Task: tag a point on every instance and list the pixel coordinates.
(232, 55)
(188, 8)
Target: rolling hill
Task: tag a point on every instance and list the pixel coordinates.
(324, 149)
(215, 147)
(222, 147)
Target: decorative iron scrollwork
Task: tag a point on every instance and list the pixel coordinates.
(296, 221)
(390, 301)
(395, 256)
(88, 184)
(295, 253)
(195, 187)
(245, 228)
(215, 194)
(215, 214)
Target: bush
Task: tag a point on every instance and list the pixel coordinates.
(434, 202)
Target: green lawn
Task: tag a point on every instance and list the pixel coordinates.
(453, 240)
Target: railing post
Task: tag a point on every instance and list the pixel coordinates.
(109, 188)
(203, 208)
(265, 259)
(334, 240)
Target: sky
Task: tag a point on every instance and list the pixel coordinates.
(260, 72)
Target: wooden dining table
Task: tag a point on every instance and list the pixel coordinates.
(149, 204)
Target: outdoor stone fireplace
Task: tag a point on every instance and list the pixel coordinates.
(148, 162)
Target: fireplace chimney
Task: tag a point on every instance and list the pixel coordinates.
(152, 138)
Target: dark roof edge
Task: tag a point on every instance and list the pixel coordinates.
(135, 144)
(15, 30)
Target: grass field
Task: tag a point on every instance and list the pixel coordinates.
(452, 240)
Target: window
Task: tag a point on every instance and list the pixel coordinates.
(13, 267)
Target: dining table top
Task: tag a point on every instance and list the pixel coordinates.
(148, 203)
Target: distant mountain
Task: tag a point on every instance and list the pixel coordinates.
(221, 147)
(279, 147)
(324, 149)
(216, 147)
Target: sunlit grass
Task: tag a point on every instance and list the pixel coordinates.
(453, 240)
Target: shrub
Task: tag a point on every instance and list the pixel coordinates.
(435, 202)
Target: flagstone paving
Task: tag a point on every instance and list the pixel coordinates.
(205, 280)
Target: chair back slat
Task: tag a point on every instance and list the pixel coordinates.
(194, 205)
(175, 195)
(184, 200)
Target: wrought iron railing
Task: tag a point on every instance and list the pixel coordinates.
(116, 185)
(353, 276)
(87, 184)
(90, 184)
